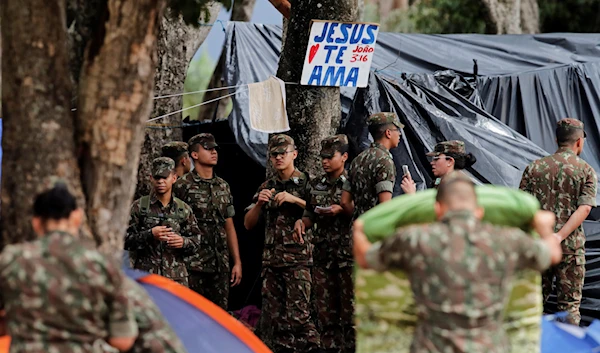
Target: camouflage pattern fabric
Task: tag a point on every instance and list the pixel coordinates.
(562, 182)
(205, 140)
(62, 296)
(384, 118)
(459, 293)
(334, 306)
(213, 286)
(332, 144)
(174, 150)
(286, 295)
(371, 172)
(162, 167)
(333, 285)
(152, 255)
(280, 247)
(212, 204)
(155, 334)
(279, 143)
(446, 147)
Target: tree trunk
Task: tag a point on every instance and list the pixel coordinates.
(313, 112)
(116, 88)
(177, 45)
(241, 12)
(38, 132)
(512, 16)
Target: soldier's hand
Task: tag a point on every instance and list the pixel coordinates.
(236, 274)
(408, 185)
(175, 241)
(284, 196)
(333, 210)
(299, 231)
(265, 196)
(160, 232)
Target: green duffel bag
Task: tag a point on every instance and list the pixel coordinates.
(386, 298)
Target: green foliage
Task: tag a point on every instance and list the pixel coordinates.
(197, 79)
(569, 16)
(193, 11)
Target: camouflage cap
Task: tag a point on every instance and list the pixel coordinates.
(205, 140)
(384, 118)
(280, 142)
(162, 167)
(571, 123)
(454, 146)
(174, 149)
(332, 144)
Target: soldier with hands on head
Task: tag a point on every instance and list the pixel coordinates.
(212, 203)
(460, 269)
(565, 185)
(162, 229)
(333, 264)
(287, 258)
(372, 173)
(178, 152)
(59, 293)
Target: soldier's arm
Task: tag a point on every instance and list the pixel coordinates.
(383, 255)
(525, 185)
(385, 176)
(191, 233)
(585, 202)
(122, 326)
(254, 211)
(536, 254)
(136, 237)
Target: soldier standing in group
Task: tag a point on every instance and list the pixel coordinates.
(566, 185)
(178, 152)
(333, 263)
(210, 198)
(460, 269)
(287, 258)
(162, 229)
(58, 292)
(372, 173)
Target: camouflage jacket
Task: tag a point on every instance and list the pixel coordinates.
(280, 247)
(461, 273)
(212, 203)
(331, 240)
(61, 295)
(152, 255)
(155, 334)
(371, 172)
(562, 182)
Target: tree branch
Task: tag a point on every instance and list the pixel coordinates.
(283, 6)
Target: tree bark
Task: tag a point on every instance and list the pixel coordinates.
(313, 112)
(38, 133)
(241, 12)
(512, 16)
(177, 45)
(116, 90)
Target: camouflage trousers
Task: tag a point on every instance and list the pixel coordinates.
(214, 286)
(286, 309)
(333, 301)
(569, 275)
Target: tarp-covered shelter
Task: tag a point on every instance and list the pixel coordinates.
(502, 95)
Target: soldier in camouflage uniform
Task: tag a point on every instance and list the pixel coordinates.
(155, 334)
(178, 152)
(372, 173)
(60, 295)
(287, 258)
(566, 185)
(162, 229)
(333, 269)
(212, 203)
(460, 269)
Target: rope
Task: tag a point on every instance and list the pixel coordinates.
(195, 92)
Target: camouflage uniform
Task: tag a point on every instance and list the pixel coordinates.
(332, 272)
(155, 334)
(446, 147)
(562, 182)
(174, 150)
(212, 204)
(62, 296)
(286, 264)
(373, 171)
(152, 255)
(461, 273)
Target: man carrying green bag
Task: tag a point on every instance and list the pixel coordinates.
(460, 268)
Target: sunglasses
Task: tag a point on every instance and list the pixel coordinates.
(277, 154)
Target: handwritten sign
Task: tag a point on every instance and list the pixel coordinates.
(339, 54)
